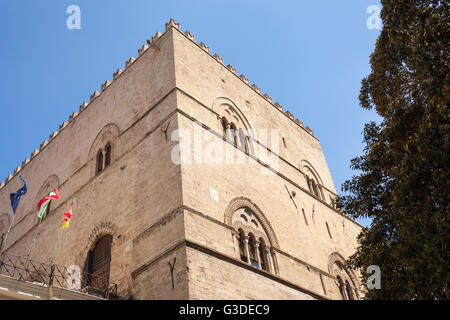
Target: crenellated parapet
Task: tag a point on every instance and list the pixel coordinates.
(188, 34)
(172, 23)
(141, 51)
(155, 37)
(218, 58)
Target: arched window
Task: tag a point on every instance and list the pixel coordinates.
(253, 251)
(103, 158)
(104, 143)
(349, 291)
(341, 287)
(346, 281)
(242, 246)
(98, 263)
(313, 187)
(264, 255)
(255, 245)
(227, 130)
(234, 133)
(99, 162)
(237, 136)
(107, 155)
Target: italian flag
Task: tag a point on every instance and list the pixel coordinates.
(43, 204)
(67, 215)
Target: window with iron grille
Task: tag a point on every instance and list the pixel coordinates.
(98, 264)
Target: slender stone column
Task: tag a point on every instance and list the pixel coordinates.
(235, 236)
(104, 159)
(258, 255)
(247, 254)
(229, 133)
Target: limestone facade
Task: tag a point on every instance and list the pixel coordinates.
(185, 223)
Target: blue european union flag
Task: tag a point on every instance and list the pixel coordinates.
(15, 197)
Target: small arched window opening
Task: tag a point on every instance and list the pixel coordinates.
(107, 155)
(234, 134)
(263, 255)
(99, 165)
(225, 128)
(98, 264)
(253, 251)
(309, 182)
(103, 158)
(313, 187)
(242, 246)
(349, 291)
(341, 287)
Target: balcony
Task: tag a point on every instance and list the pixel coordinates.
(69, 282)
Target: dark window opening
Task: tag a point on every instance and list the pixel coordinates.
(99, 162)
(242, 246)
(349, 290)
(98, 264)
(107, 155)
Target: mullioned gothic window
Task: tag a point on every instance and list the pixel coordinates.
(313, 187)
(252, 240)
(234, 125)
(345, 280)
(236, 136)
(103, 159)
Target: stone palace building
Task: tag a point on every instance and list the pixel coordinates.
(188, 182)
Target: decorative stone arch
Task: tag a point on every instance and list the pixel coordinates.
(49, 184)
(241, 202)
(337, 268)
(97, 271)
(224, 106)
(104, 228)
(308, 170)
(107, 135)
(227, 111)
(252, 235)
(306, 167)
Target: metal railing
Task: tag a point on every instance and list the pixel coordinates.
(23, 269)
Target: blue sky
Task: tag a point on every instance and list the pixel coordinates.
(308, 55)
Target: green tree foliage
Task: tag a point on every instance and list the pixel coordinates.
(403, 175)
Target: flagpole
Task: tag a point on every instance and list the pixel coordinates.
(61, 238)
(34, 239)
(42, 210)
(7, 233)
(58, 243)
(14, 197)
